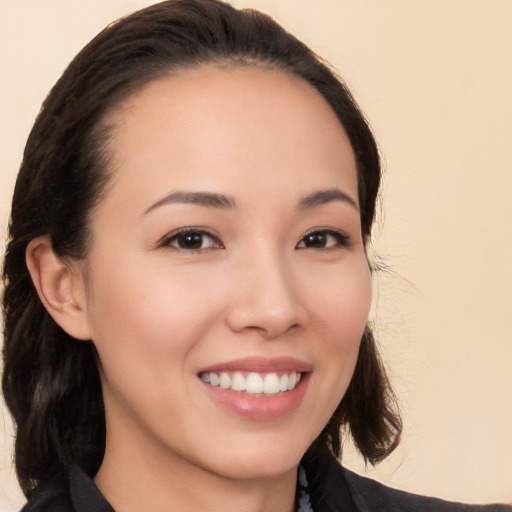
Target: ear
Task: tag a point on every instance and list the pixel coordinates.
(60, 287)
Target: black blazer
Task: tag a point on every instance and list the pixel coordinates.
(336, 489)
(332, 488)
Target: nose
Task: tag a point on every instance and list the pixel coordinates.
(266, 299)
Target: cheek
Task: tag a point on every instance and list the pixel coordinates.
(342, 299)
(147, 326)
(139, 316)
(342, 310)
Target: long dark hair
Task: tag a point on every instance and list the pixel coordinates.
(51, 382)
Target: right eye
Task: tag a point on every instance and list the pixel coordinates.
(191, 240)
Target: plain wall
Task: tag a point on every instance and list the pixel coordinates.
(435, 79)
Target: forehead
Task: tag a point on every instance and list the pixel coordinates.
(214, 127)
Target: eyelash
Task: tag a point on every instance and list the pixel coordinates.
(181, 233)
(341, 239)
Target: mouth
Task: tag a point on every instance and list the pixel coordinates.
(257, 388)
(254, 383)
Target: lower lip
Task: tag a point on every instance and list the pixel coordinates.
(259, 407)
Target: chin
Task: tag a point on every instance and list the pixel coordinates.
(261, 459)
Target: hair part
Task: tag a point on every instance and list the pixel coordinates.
(51, 382)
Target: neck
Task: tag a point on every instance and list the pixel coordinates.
(152, 480)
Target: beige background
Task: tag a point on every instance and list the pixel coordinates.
(435, 78)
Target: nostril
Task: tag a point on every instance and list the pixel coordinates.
(270, 329)
(268, 306)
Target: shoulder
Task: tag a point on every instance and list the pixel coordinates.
(50, 496)
(334, 488)
(73, 491)
(372, 495)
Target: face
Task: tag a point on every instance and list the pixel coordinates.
(227, 283)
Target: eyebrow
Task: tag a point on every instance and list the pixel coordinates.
(223, 201)
(209, 199)
(326, 196)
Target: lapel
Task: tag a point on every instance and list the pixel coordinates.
(328, 486)
(86, 497)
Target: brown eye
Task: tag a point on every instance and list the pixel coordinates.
(316, 240)
(192, 240)
(324, 239)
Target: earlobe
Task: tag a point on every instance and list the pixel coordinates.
(60, 287)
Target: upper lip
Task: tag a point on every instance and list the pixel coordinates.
(260, 365)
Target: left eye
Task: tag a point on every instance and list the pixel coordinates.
(325, 239)
(192, 240)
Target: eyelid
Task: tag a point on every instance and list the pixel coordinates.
(165, 241)
(343, 238)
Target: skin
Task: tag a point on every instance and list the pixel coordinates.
(158, 313)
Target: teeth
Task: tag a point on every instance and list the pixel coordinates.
(283, 382)
(224, 381)
(292, 380)
(253, 383)
(271, 384)
(238, 382)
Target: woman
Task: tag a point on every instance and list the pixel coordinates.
(191, 217)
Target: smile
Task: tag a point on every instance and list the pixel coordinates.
(253, 383)
(257, 388)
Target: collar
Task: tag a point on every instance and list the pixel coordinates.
(86, 497)
(328, 486)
